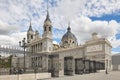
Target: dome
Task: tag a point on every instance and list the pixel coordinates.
(69, 38)
(69, 35)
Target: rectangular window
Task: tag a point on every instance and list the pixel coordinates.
(31, 36)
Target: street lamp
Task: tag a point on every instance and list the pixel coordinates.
(35, 68)
(17, 72)
(23, 45)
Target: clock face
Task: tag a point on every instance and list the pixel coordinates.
(94, 48)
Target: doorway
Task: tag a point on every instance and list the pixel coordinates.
(68, 65)
(79, 66)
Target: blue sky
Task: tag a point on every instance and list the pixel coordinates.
(85, 17)
(107, 17)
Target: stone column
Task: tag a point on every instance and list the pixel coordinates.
(73, 65)
(38, 47)
(34, 48)
(45, 63)
(61, 66)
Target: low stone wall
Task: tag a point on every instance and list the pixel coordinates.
(32, 76)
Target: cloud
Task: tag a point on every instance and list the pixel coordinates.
(5, 28)
(12, 39)
(83, 27)
(15, 17)
(71, 8)
(55, 42)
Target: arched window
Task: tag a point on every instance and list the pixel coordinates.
(41, 43)
(45, 29)
(41, 46)
(31, 36)
(49, 28)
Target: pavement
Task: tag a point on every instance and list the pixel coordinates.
(114, 75)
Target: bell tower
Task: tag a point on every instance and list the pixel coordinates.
(47, 34)
(47, 27)
(30, 34)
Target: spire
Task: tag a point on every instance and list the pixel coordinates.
(30, 27)
(69, 29)
(47, 17)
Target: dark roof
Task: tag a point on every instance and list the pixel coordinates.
(69, 34)
(30, 27)
(47, 17)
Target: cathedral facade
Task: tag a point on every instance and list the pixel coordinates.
(69, 57)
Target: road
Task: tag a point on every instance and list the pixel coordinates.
(114, 75)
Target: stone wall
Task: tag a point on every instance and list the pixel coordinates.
(32, 76)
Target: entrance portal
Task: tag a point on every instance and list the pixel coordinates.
(54, 65)
(87, 66)
(79, 66)
(93, 66)
(68, 65)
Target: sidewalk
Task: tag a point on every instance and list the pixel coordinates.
(91, 76)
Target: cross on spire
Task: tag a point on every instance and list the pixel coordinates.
(47, 17)
(69, 26)
(30, 27)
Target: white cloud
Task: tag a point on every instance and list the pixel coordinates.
(5, 28)
(70, 8)
(15, 15)
(83, 27)
(12, 39)
(55, 42)
(113, 52)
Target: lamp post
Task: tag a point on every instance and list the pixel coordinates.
(17, 72)
(35, 68)
(10, 64)
(23, 45)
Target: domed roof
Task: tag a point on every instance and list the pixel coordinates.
(69, 35)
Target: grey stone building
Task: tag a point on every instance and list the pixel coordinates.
(68, 58)
(116, 62)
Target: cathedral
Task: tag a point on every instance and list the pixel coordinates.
(67, 58)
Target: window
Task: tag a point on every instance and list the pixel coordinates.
(41, 43)
(31, 36)
(41, 46)
(45, 29)
(49, 28)
(66, 42)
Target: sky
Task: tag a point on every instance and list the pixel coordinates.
(85, 17)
